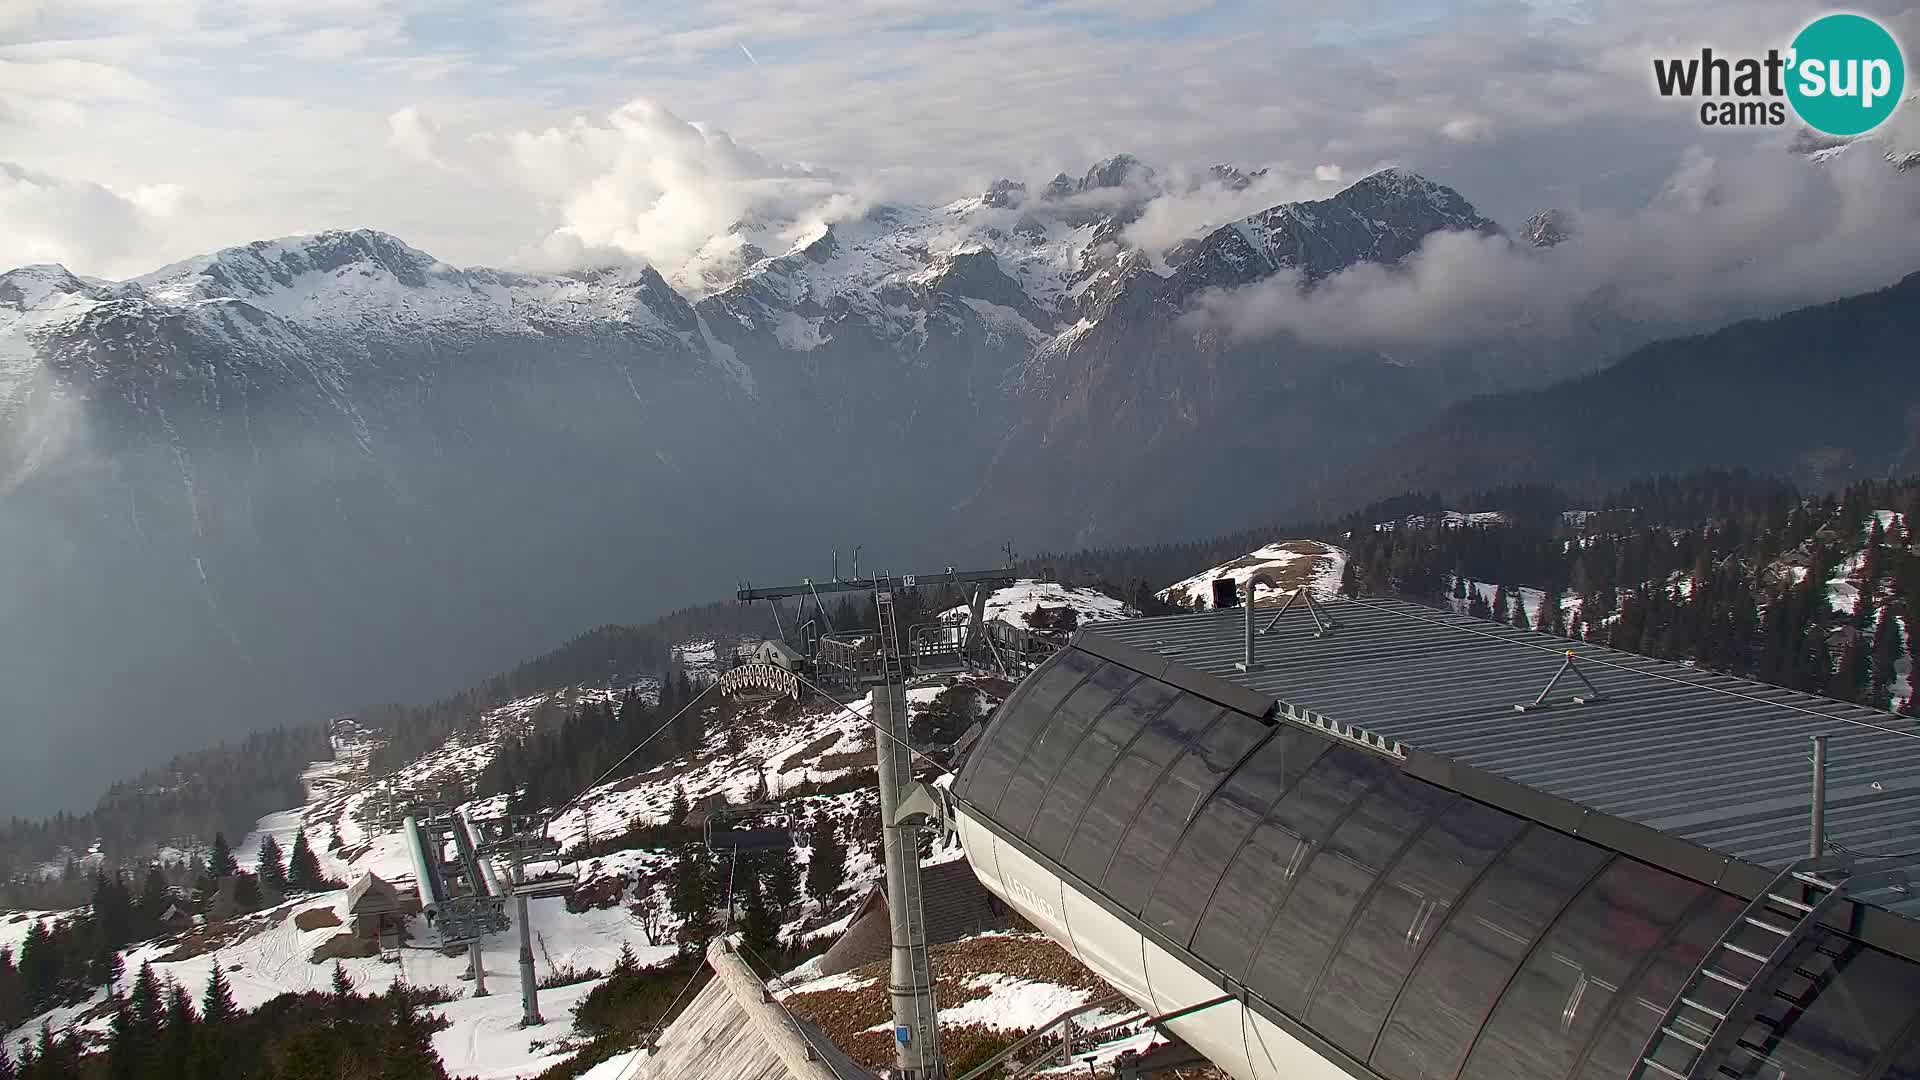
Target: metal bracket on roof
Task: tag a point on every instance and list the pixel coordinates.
(1592, 694)
(1322, 627)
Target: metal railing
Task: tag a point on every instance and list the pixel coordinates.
(1062, 1025)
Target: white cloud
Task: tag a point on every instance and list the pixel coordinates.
(479, 103)
(52, 219)
(654, 186)
(1727, 238)
(15, 14)
(413, 133)
(1468, 129)
(1182, 215)
(76, 80)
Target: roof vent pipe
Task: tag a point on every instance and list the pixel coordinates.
(1253, 587)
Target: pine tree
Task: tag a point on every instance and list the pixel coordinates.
(827, 862)
(1816, 672)
(782, 881)
(1502, 605)
(179, 1036)
(1477, 606)
(39, 965)
(680, 808)
(216, 1006)
(303, 868)
(125, 1054)
(220, 861)
(107, 968)
(408, 1052)
(1850, 679)
(273, 867)
(154, 898)
(342, 985)
(144, 999)
(246, 892)
(1546, 620)
(759, 930)
(1886, 651)
(627, 963)
(692, 900)
(45, 1048)
(113, 911)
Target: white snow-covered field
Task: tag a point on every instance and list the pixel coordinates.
(484, 1040)
(14, 927)
(1293, 563)
(1015, 603)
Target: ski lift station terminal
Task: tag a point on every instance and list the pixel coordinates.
(1368, 839)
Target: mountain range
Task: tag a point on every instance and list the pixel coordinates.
(334, 469)
(1826, 395)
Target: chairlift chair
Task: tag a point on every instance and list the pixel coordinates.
(746, 828)
(562, 879)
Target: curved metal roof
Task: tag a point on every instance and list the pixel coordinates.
(1706, 758)
(1421, 913)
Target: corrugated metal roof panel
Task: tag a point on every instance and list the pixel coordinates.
(1715, 760)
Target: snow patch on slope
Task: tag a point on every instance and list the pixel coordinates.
(1015, 603)
(1292, 563)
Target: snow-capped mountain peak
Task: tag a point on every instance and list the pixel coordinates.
(43, 284)
(1547, 228)
(266, 266)
(1381, 218)
(1120, 170)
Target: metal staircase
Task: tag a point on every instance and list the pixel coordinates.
(892, 668)
(1739, 983)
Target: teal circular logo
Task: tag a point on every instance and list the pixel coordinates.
(1846, 74)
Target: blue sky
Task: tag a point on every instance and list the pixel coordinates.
(476, 129)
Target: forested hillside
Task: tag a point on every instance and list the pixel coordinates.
(193, 797)
(1821, 395)
(1729, 570)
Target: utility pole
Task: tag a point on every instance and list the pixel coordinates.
(479, 967)
(1817, 816)
(916, 1029)
(529, 986)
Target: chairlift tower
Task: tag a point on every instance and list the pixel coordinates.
(522, 838)
(916, 1027)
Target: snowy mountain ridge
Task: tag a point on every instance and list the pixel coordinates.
(1043, 258)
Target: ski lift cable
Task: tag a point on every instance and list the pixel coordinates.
(615, 767)
(733, 868)
(661, 1024)
(870, 722)
(1588, 658)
